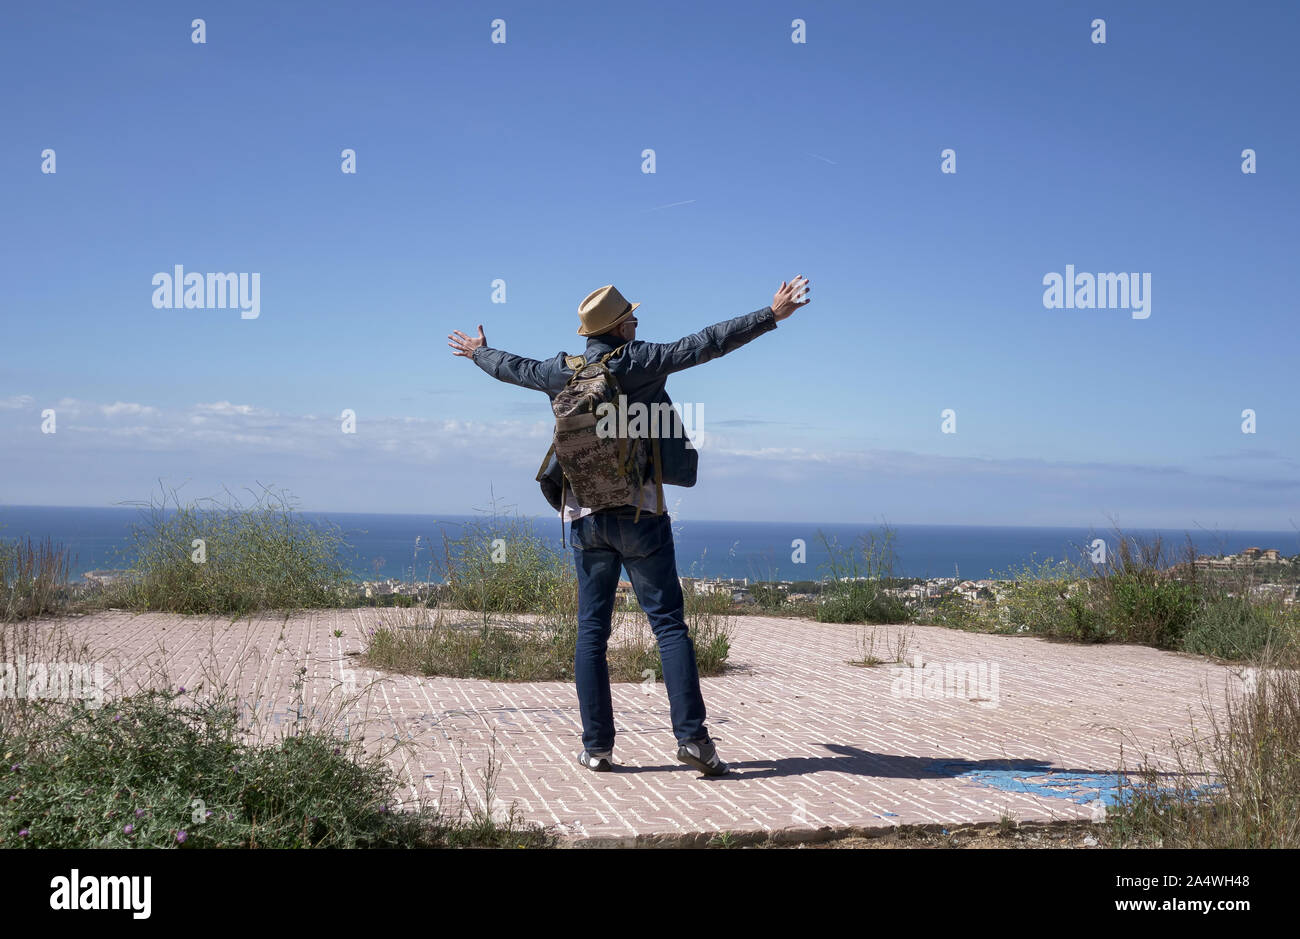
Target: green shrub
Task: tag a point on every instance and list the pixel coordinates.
(1038, 600)
(955, 612)
(768, 596)
(33, 578)
(1132, 598)
(859, 577)
(501, 570)
(860, 603)
(709, 624)
(258, 557)
(1083, 621)
(1232, 628)
(153, 771)
(1141, 596)
(413, 641)
(1152, 608)
(1137, 596)
(500, 565)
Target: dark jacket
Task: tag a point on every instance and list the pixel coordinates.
(642, 370)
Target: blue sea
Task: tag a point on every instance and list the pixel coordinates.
(385, 546)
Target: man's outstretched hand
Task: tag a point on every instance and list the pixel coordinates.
(465, 345)
(791, 297)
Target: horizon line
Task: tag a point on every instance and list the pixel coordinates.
(720, 521)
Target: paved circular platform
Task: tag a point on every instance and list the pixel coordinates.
(980, 728)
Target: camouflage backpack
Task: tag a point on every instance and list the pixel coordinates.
(604, 472)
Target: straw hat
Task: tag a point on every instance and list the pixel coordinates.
(603, 310)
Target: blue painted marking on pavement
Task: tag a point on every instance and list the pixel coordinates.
(1038, 778)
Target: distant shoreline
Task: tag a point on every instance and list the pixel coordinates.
(552, 519)
(405, 548)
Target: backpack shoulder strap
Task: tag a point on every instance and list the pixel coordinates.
(546, 461)
(579, 362)
(659, 481)
(659, 476)
(609, 355)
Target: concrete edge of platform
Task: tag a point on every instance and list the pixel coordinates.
(751, 837)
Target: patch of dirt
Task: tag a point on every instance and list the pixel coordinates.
(1063, 834)
(1071, 835)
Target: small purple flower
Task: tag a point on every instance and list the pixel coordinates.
(208, 813)
(117, 718)
(128, 829)
(24, 833)
(15, 768)
(336, 751)
(181, 836)
(139, 812)
(181, 690)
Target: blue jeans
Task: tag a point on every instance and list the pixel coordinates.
(603, 542)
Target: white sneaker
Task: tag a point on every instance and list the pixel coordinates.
(602, 761)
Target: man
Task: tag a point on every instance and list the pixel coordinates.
(608, 539)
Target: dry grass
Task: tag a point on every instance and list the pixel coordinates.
(33, 578)
(1235, 786)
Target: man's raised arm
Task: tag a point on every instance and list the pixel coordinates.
(501, 365)
(654, 359)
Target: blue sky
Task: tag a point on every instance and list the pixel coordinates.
(522, 161)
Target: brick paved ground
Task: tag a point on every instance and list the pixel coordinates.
(814, 741)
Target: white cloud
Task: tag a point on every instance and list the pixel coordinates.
(122, 407)
(225, 407)
(401, 460)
